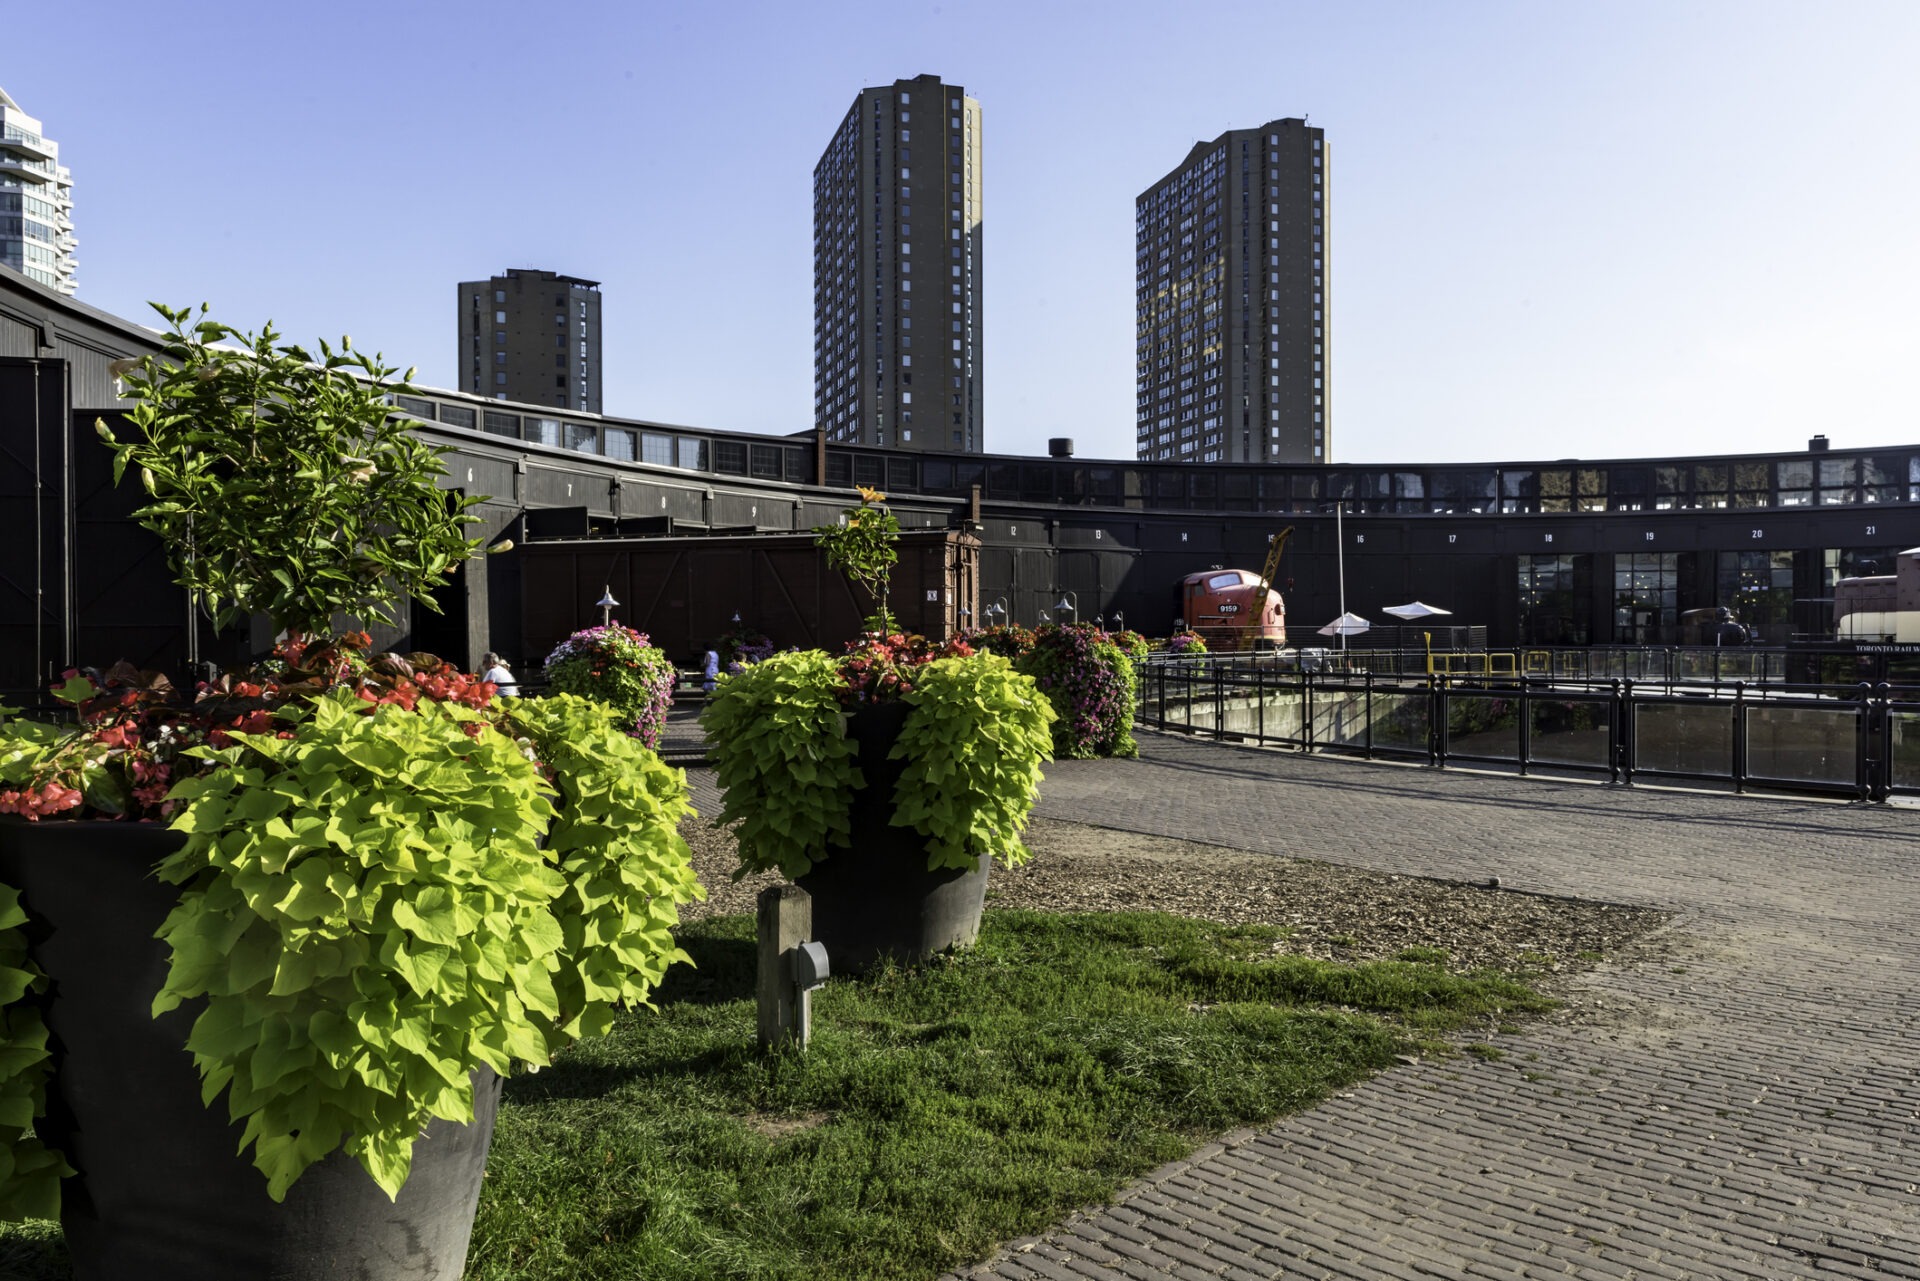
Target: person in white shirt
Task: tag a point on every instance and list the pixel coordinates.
(494, 668)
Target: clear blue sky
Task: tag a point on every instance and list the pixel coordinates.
(1597, 230)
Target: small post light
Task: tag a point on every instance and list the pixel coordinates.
(736, 618)
(1069, 601)
(1119, 621)
(1179, 624)
(1046, 616)
(606, 604)
(790, 967)
(1100, 621)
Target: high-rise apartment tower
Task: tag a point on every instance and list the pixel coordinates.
(532, 336)
(897, 271)
(36, 201)
(1231, 332)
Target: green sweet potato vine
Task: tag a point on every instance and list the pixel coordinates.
(777, 738)
(973, 746)
(30, 1172)
(618, 843)
(368, 910)
(974, 741)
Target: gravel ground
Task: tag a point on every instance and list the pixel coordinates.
(1333, 912)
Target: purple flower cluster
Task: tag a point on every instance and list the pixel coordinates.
(615, 665)
(1090, 683)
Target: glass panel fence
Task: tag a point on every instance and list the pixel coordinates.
(1684, 738)
(1401, 722)
(1568, 731)
(1479, 725)
(1340, 718)
(1810, 744)
(1903, 756)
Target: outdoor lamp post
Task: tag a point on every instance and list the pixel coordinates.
(1100, 621)
(1069, 601)
(1119, 621)
(1340, 548)
(606, 604)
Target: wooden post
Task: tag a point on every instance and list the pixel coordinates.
(786, 921)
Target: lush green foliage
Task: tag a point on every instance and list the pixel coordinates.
(777, 740)
(1091, 684)
(973, 746)
(863, 547)
(777, 737)
(30, 1174)
(617, 840)
(279, 484)
(1132, 644)
(989, 1093)
(615, 665)
(1188, 642)
(367, 909)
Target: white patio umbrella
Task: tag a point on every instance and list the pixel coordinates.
(1416, 611)
(1346, 625)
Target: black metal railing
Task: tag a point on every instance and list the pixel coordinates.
(1861, 742)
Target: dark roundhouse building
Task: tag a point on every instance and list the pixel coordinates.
(691, 526)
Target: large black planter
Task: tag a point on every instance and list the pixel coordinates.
(875, 898)
(160, 1194)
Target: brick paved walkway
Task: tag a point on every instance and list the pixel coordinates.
(1745, 1105)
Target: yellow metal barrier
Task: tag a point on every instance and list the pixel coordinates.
(1472, 663)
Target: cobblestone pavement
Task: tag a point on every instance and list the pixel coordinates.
(1742, 1102)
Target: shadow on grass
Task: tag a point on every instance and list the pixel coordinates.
(725, 956)
(35, 1253)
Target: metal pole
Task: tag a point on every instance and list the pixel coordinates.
(1340, 537)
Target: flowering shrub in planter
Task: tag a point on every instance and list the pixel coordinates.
(743, 647)
(1132, 644)
(1090, 683)
(974, 741)
(388, 879)
(1186, 643)
(1010, 640)
(615, 665)
(886, 780)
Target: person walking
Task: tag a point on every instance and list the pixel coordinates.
(494, 668)
(709, 670)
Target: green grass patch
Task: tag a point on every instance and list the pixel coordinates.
(941, 1109)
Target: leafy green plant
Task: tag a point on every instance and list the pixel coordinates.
(973, 745)
(863, 546)
(777, 739)
(30, 1173)
(369, 914)
(279, 482)
(618, 843)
